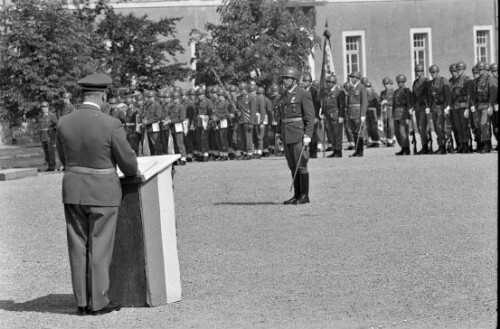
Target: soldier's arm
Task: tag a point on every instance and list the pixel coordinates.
(308, 113)
(60, 150)
(341, 99)
(492, 90)
(447, 93)
(469, 89)
(364, 101)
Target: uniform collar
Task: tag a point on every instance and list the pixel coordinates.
(92, 104)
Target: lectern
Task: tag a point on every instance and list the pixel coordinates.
(144, 269)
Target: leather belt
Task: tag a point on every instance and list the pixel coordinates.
(130, 124)
(89, 171)
(371, 109)
(291, 120)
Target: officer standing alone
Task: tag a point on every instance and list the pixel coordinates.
(295, 128)
(48, 124)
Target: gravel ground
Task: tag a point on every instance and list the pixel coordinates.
(387, 242)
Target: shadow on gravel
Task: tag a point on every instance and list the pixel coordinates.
(53, 303)
(245, 203)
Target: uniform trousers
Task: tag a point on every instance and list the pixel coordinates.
(388, 120)
(133, 139)
(348, 132)
(461, 126)
(334, 131)
(371, 125)
(439, 124)
(423, 126)
(401, 127)
(91, 235)
(202, 140)
(234, 137)
(222, 141)
(258, 136)
(354, 126)
(212, 144)
(179, 146)
(270, 136)
(448, 127)
(189, 143)
(483, 122)
(155, 143)
(266, 139)
(49, 149)
(494, 121)
(292, 153)
(245, 132)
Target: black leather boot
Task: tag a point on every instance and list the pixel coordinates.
(304, 189)
(296, 191)
(402, 152)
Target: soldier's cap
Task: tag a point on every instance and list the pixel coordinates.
(95, 82)
(113, 100)
(44, 104)
(149, 93)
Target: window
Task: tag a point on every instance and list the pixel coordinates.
(354, 56)
(421, 48)
(483, 44)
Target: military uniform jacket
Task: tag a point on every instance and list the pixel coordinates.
(177, 113)
(334, 103)
(420, 94)
(357, 99)
(221, 110)
(131, 117)
(485, 92)
(247, 107)
(48, 124)
(462, 90)
(118, 114)
(296, 116)
(276, 100)
(401, 103)
(91, 139)
(439, 92)
(269, 110)
(152, 113)
(316, 101)
(373, 101)
(387, 95)
(190, 110)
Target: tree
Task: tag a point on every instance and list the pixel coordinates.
(47, 50)
(254, 40)
(138, 47)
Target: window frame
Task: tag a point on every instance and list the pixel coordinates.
(428, 51)
(490, 40)
(361, 52)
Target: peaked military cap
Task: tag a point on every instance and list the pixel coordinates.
(95, 82)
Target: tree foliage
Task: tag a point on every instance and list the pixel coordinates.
(46, 48)
(254, 40)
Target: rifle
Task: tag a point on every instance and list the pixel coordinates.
(220, 82)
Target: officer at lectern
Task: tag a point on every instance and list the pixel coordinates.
(90, 145)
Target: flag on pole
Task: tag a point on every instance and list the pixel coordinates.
(327, 67)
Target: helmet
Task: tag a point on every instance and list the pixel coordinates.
(166, 94)
(192, 91)
(290, 72)
(461, 66)
(419, 68)
(221, 92)
(184, 92)
(364, 80)
(139, 97)
(149, 93)
(481, 66)
(433, 68)
(252, 87)
(200, 91)
(487, 66)
(129, 100)
(307, 77)
(44, 104)
(315, 83)
(368, 84)
(176, 88)
(260, 90)
(355, 74)
(400, 78)
(233, 88)
(66, 95)
(494, 67)
(113, 100)
(243, 86)
(453, 67)
(274, 88)
(331, 78)
(176, 94)
(210, 89)
(475, 70)
(387, 81)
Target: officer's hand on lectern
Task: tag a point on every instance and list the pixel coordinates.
(363, 119)
(306, 140)
(427, 110)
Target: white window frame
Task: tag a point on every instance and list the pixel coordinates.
(491, 40)
(360, 34)
(420, 30)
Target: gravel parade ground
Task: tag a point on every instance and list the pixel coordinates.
(387, 242)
